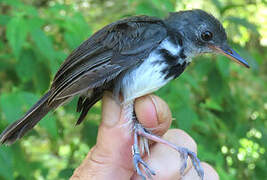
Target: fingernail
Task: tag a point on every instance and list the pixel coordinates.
(156, 105)
(146, 112)
(111, 110)
(163, 111)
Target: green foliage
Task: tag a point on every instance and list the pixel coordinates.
(220, 104)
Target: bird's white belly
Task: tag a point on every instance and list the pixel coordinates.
(144, 79)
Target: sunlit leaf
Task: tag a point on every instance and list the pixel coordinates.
(21, 164)
(243, 22)
(217, 4)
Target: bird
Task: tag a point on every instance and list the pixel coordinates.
(131, 57)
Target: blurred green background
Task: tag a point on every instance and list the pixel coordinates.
(222, 105)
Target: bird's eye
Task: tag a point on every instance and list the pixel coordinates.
(206, 36)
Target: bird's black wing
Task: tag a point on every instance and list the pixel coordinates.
(110, 51)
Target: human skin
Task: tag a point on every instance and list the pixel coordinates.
(111, 158)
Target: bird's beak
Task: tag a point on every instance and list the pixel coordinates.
(230, 53)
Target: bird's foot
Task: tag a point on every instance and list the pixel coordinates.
(184, 152)
(137, 160)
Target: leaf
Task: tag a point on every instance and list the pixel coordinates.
(5, 62)
(4, 19)
(30, 10)
(16, 34)
(215, 85)
(211, 104)
(11, 107)
(41, 78)
(222, 64)
(6, 158)
(89, 132)
(217, 4)
(49, 123)
(243, 22)
(147, 8)
(164, 6)
(15, 104)
(26, 66)
(43, 43)
(231, 6)
(77, 30)
(185, 117)
(22, 165)
(203, 66)
(157, 8)
(66, 173)
(72, 39)
(190, 79)
(13, 3)
(35, 23)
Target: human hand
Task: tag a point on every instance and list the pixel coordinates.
(111, 157)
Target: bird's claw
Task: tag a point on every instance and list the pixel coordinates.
(184, 152)
(137, 159)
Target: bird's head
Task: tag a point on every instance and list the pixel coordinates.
(202, 33)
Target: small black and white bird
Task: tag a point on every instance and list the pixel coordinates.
(131, 57)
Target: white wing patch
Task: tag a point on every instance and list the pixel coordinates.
(172, 48)
(144, 79)
(148, 76)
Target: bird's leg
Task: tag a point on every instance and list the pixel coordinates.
(137, 159)
(131, 121)
(184, 152)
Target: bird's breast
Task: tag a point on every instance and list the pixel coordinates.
(162, 65)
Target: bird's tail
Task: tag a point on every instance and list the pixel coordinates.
(18, 129)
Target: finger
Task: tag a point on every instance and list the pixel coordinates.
(167, 162)
(110, 157)
(209, 173)
(153, 113)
